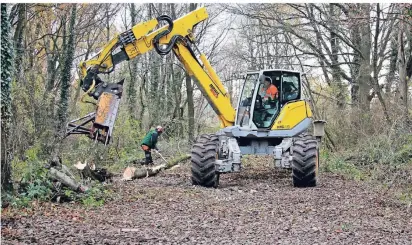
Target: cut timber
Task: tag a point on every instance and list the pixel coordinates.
(61, 173)
(64, 179)
(131, 173)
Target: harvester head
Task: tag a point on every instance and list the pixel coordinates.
(101, 122)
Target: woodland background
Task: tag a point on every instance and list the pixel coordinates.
(357, 60)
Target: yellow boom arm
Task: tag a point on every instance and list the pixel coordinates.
(177, 36)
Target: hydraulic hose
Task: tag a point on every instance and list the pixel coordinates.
(173, 40)
(162, 34)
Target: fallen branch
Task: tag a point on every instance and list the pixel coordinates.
(132, 173)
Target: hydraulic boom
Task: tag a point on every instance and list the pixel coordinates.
(178, 37)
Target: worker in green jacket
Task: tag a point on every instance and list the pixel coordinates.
(149, 142)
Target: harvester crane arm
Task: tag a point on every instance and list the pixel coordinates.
(178, 37)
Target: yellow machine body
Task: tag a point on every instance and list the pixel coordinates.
(292, 114)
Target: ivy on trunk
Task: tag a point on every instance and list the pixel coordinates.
(6, 113)
(68, 51)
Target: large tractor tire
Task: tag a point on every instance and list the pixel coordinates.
(203, 158)
(305, 161)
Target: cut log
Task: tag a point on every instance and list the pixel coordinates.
(131, 173)
(64, 179)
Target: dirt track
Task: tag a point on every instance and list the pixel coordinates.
(254, 207)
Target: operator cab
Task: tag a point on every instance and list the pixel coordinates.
(263, 95)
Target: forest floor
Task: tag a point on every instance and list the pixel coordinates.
(256, 206)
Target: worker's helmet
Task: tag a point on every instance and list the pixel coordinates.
(159, 128)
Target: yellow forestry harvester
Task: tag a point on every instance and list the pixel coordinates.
(272, 116)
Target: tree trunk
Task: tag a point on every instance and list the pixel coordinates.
(392, 65)
(6, 113)
(251, 51)
(131, 91)
(355, 68)
(108, 29)
(403, 81)
(375, 79)
(64, 179)
(190, 108)
(334, 44)
(365, 67)
(18, 40)
(189, 94)
(52, 60)
(131, 173)
(142, 106)
(68, 51)
(155, 83)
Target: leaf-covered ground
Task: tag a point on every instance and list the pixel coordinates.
(257, 206)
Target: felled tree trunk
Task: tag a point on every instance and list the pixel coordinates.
(64, 179)
(131, 173)
(60, 172)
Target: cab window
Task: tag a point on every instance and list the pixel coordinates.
(290, 86)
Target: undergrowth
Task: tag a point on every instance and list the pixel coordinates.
(384, 160)
(335, 163)
(95, 196)
(32, 183)
(35, 186)
(42, 191)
